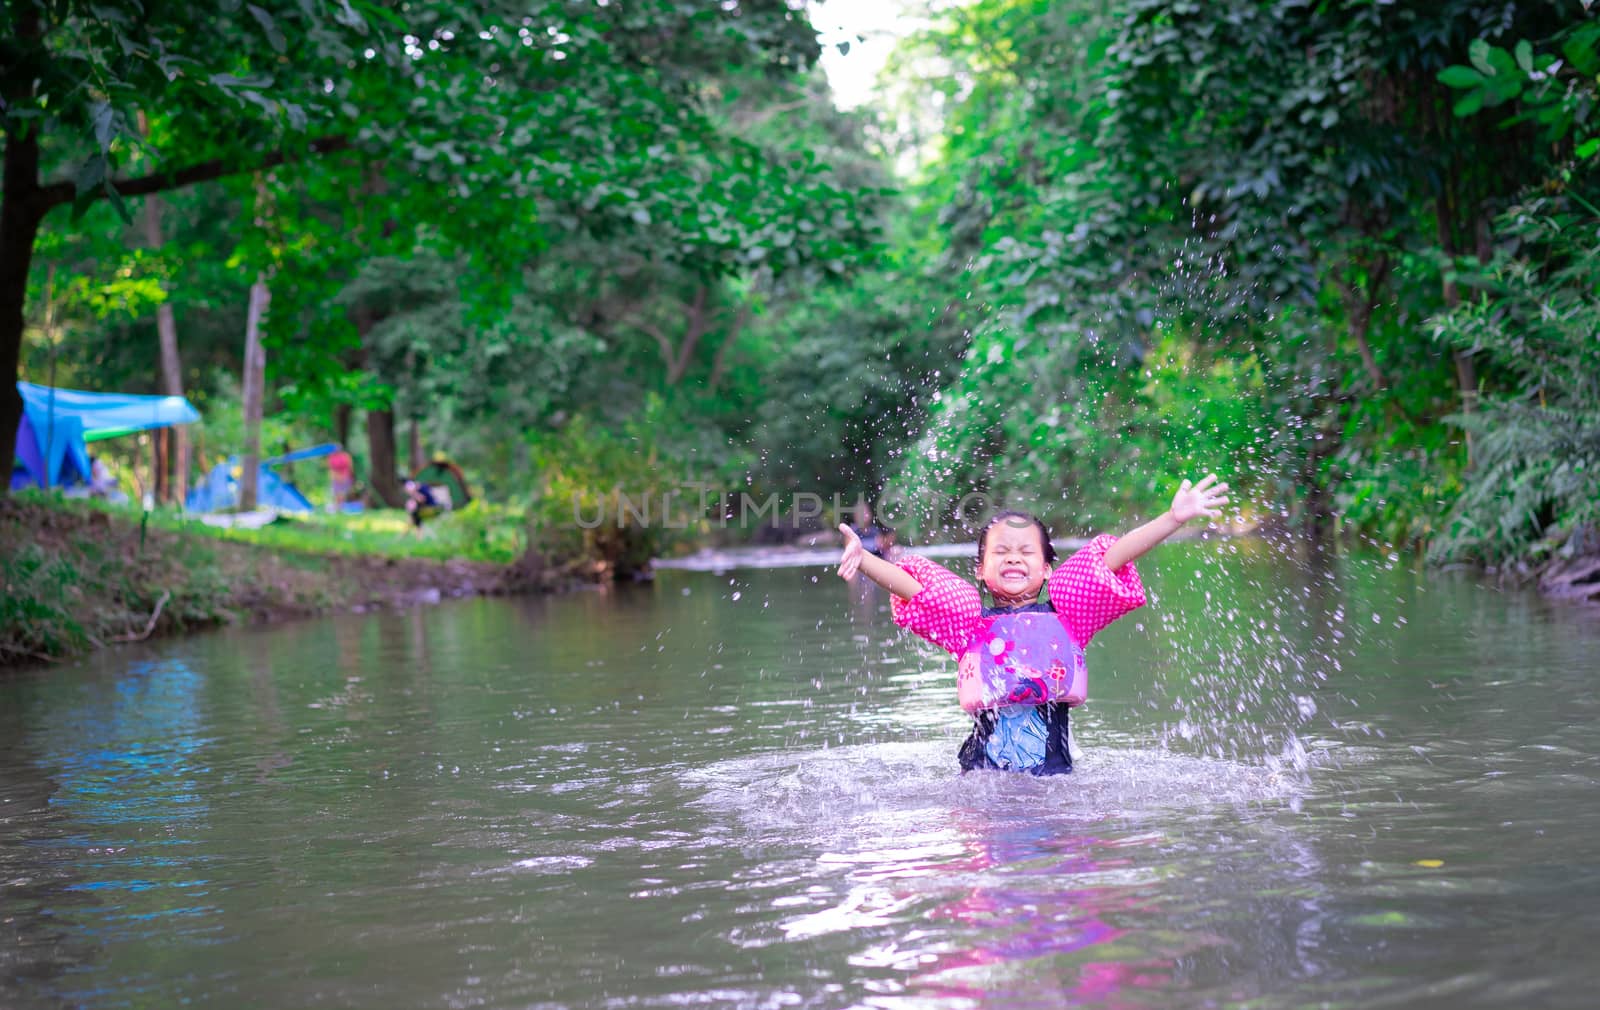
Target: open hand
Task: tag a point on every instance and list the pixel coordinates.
(1202, 499)
(850, 560)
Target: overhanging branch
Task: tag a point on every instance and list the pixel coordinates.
(65, 191)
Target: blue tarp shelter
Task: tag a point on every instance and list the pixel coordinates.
(57, 425)
(220, 489)
(300, 455)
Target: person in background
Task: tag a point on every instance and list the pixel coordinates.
(102, 484)
(421, 503)
(875, 539)
(447, 480)
(342, 477)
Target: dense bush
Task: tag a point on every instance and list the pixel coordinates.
(1535, 484)
(616, 497)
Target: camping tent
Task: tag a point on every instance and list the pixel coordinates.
(57, 424)
(441, 473)
(220, 489)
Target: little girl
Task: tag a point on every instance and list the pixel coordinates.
(1020, 664)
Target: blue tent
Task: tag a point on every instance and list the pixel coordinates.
(220, 489)
(57, 424)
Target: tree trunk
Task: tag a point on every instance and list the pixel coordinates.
(694, 329)
(20, 216)
(677, 359)
(143, 485)
(341, 424)
(172, 384)
(255, 378)
(1319, 514)
(1466, 372)
(161, 461)
(381, 459)
(1466, 368)
(286, 470)
(1360, 304)
(171, 365)
(1361, 328)
(719, 362)
(383, 488)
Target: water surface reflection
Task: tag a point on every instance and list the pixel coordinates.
(1305, 787)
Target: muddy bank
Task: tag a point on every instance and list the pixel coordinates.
(74, 579)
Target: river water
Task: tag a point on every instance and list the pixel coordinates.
(1352, 786)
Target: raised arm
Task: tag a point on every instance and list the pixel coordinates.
(1191, 502)
(890, 576)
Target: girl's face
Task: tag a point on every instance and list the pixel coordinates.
(1013, 562)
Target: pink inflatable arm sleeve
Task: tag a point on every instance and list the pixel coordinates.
(1088, 596)
(945, 612)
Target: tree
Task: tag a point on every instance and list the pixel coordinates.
(73, 78)
(466, 103)
(1531, 315)
(1254, 202)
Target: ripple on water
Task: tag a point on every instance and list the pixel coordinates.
(813, 795)
(542, 864)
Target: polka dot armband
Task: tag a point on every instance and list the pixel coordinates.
(947, 610)
(1088, 596)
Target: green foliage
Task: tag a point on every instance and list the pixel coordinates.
(1395, 488)
(836, 379)
(1533, 493)
(1081, 456)
(1555, 90)
(37, 608)
(1536, 483)
(493, 130)
(619, 497)
(71, 581)
(221, 428)
(605, 249)
(1206, 241)
(596, 129)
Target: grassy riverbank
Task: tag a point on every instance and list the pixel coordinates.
(78, 575)
(486, 533)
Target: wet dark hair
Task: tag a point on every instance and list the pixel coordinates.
(1027, 519)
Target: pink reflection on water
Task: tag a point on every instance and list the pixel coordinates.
(1037, 909)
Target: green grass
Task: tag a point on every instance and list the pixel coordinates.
(70, 583)
(490, 533)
